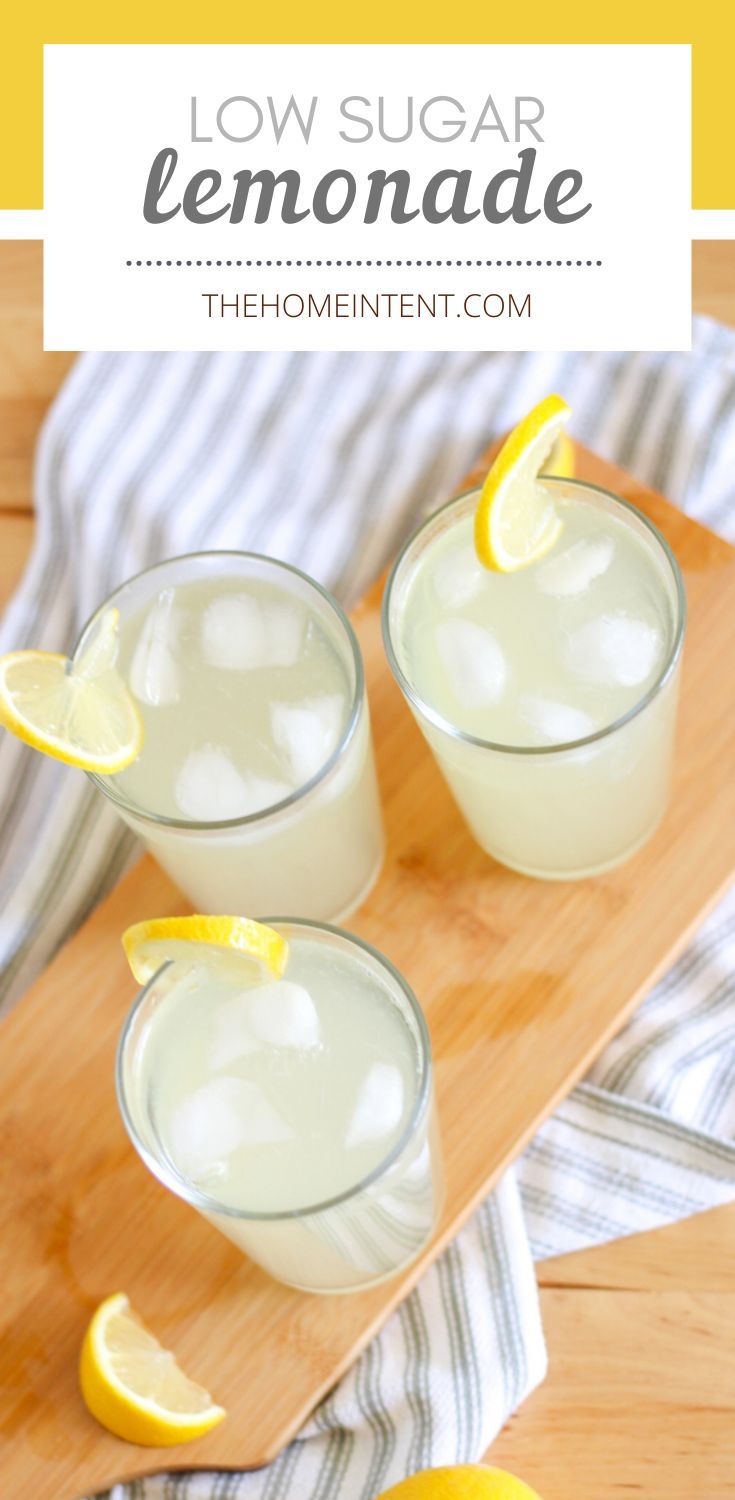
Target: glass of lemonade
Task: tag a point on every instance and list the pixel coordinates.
(548, 695)
(297, 1114)
(255, 787)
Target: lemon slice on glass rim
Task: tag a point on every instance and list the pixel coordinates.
(561, 462)
(160, 940)
(516, 521)
(134, 1387)
(78, 712)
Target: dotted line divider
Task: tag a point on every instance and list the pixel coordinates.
(310, 263)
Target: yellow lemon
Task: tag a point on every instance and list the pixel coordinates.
(150, 944)
(134, 1387)
(464, 1482)
(81, 712)
(561, 460)
(516, 521)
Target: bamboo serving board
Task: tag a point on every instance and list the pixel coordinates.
(522, 982)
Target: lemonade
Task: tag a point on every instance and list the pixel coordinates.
(548, 694)
(296, 1112)
(257, 750)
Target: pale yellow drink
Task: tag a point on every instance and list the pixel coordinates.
(255, 787)
(548, 694)
(297, 1114)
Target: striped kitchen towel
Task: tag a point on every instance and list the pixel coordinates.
(327, 460)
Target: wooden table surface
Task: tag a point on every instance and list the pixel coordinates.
(640, 1395)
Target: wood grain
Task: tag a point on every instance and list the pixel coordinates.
(615, 1419)
(656, 1423)
(522, 983)
(713, 279)
(16, 535)
(29, 378)
(693, 1255)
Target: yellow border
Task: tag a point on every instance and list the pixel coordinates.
(703, 23)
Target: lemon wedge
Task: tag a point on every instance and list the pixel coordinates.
(516, 521)
(463, 1482)
(150, 944)
(134, 1387)
(81, 712)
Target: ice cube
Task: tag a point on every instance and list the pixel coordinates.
(233, 1036)
(307, 732)
(283, 1014)
(284, 626)
(472, 660)
(240, 633)
(210, 789)
(264, 791)
(206, 1126)
(233, 633)
(154, 672)
(615, 649)
(225, 1113)
(556, 722)
(263, 1125)
(278, 1014)
(379, 1105)
(572, 571)
(458, 576)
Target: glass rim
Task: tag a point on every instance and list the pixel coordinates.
(561, 746)
(198, 825)
(185, 1190)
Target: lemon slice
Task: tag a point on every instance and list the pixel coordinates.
(134, 1387)
(515, 521)
(149, 944)
(100, 652)
(81, 712)
(561, 461)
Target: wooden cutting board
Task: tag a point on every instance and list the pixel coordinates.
(522, 982)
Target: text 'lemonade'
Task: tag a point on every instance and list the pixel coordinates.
(295, 1113)
(257, 749)
(506, 670)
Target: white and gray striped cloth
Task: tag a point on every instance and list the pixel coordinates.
(327, 460)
